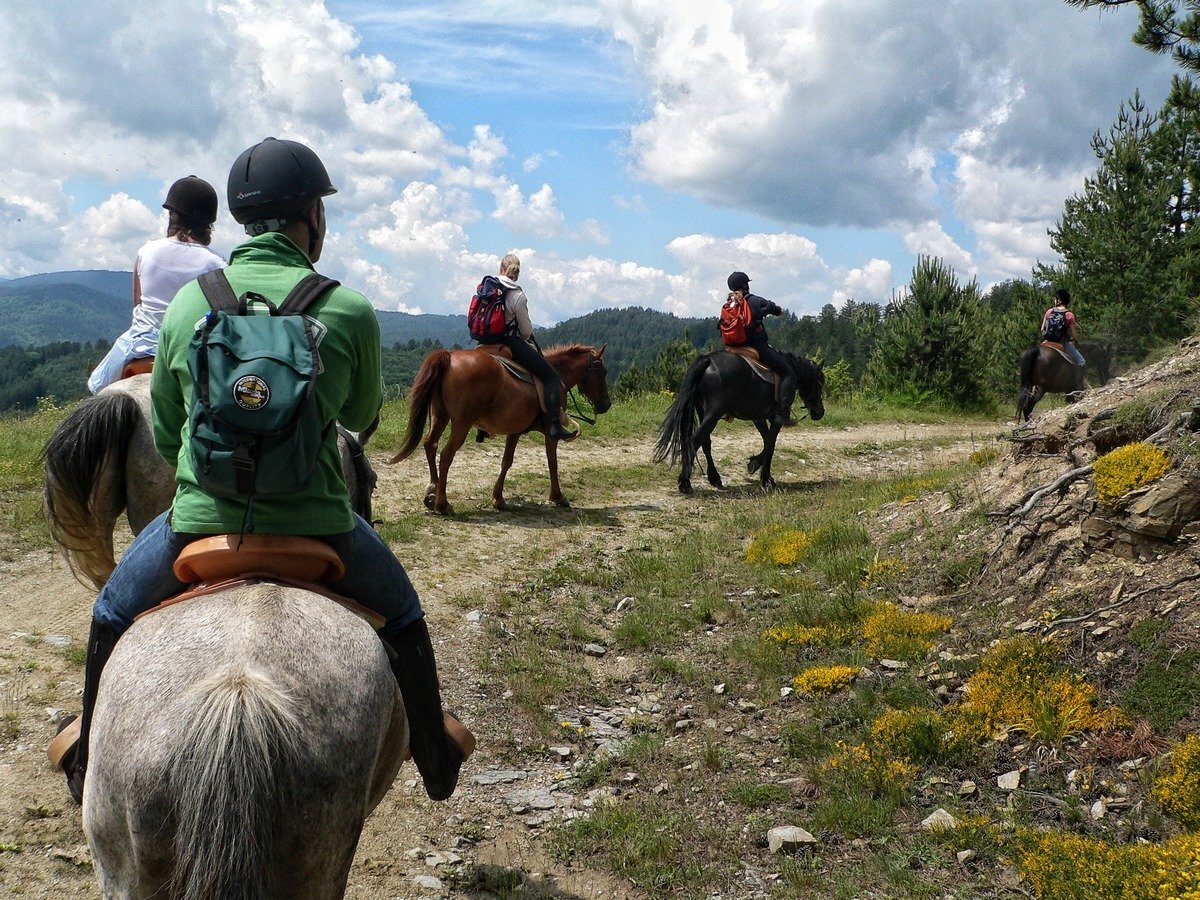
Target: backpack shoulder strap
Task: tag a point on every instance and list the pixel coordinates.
(303, 295)
(219, 292)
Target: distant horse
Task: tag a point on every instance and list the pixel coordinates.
(465, 388)
(722, 384)
(238, 742)
(1045, 371)
(101, 461)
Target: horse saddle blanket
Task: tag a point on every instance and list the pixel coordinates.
(750, 355)
(1056, 346)
(503, 356)
(225, 560)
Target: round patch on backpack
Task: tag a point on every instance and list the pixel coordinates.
(251, 392)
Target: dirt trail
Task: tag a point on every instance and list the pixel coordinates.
(619, 499)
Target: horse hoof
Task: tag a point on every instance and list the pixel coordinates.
(444, 510)
(768, 484)
(753, 464)
(563, 502)
(428, 501)
(685, 487)
(499, 504)
(717, 483)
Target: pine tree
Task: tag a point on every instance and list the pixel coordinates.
(929, 345)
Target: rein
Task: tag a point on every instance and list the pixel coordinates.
(578, 414)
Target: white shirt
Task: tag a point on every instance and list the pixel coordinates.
(163, 266)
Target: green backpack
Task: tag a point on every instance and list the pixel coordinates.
(255, 427)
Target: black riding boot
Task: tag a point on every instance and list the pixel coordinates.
(556, 417)
(437, 755)
(101, 640)
(787, 396)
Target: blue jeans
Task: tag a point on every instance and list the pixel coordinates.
(1073, 352)
(144, 578)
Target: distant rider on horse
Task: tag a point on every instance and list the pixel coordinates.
(162, 267)
(275, 190)
(1058, 325)
(756, 338)
(518, 338)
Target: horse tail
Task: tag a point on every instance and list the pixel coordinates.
(420, 398)
(679, 424)
(89, 446)
(1027, 368)
(365, 479)
(233, 775)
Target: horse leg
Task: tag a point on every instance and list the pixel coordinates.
(437, 424)
(556, 495)
(458, 434)
(510, 448)
(768, 452)
(754, 463)
(701, 441)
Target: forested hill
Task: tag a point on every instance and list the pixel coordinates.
(634, 335)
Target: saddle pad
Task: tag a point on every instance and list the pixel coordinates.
(1056, 346)
(374, 619)
(224, 556)
(750, 355)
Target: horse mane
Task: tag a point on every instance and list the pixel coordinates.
(808, 373)
(566, 350)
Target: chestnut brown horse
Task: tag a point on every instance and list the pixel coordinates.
(465, 388)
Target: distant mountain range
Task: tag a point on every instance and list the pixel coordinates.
(94, 305)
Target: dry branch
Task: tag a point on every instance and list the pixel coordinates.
(1095, 612)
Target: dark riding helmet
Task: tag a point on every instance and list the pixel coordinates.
(738, 281)
(193, 200)
(272, 182)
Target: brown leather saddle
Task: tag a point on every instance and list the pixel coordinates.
(1055, 345)
(504, 356)
(140, 365)
(221, 561)
(751, 356)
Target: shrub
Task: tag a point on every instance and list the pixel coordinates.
(891, 632)
(1021, 685)
(824, 679)
(1128, 468)
(1068, 867)
(801, 635)
(1177, 787)
(884, 573)
(919, 735)
(783, 548)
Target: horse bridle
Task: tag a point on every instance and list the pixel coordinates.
(595, 365)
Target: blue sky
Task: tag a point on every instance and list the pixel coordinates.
(633, 152)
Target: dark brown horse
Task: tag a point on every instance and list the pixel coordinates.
(1044, 370)
(466, 388)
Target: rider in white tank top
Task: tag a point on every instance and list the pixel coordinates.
(163, 266)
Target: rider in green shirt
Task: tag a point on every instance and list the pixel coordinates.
(276, 189)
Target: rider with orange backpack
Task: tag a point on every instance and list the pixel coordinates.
(742, 326)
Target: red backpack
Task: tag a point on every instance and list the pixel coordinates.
(485, 316)
(735, 319)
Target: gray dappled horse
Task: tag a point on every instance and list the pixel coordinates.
(101, 461)
(722, 384)
(239, 741)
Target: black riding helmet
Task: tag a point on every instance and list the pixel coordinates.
(272, 182)
(738, 281)
(193, 199)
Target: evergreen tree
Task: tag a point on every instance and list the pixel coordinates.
(929, 345)
(1164, 26)
(1127, 240)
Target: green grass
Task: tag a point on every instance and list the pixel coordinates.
(656, 849)
(22, 438)
(1166, 690)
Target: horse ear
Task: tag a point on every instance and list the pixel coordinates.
(600, 352)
